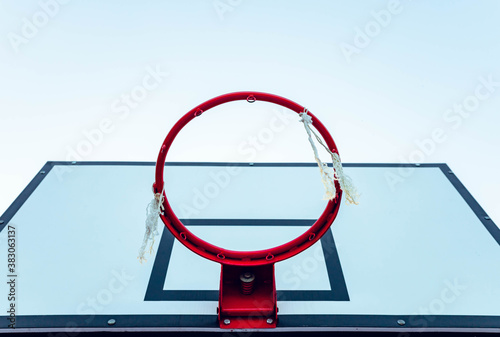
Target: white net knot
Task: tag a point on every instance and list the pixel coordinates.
(153, 210)
(329, 175)
(305, 118)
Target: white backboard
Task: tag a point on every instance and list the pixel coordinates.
(417, 254)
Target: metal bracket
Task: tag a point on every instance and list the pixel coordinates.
(247, 297)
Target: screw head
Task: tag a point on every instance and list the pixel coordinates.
(487, 218)
(111, 321)
(42, 172)
(269, 321)
(251, 164)
(247, 277)
(1, 222)
(227, 321)
(450, 172)
(401, 322)
(73, 162)
(417, 164)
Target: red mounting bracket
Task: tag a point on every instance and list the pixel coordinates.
(247, 297)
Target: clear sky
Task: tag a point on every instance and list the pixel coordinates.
(393, 81)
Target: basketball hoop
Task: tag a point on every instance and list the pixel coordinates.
(242, 265)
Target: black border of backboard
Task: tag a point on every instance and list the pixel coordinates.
(290, 325)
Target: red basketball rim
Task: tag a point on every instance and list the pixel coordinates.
(244, 258)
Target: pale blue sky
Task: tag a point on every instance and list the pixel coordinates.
(431, 55)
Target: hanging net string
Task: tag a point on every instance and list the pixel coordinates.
(153, 210)
(328, 176)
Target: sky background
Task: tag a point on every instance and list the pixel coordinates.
(385, 77)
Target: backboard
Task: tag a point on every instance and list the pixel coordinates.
(418, 254)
